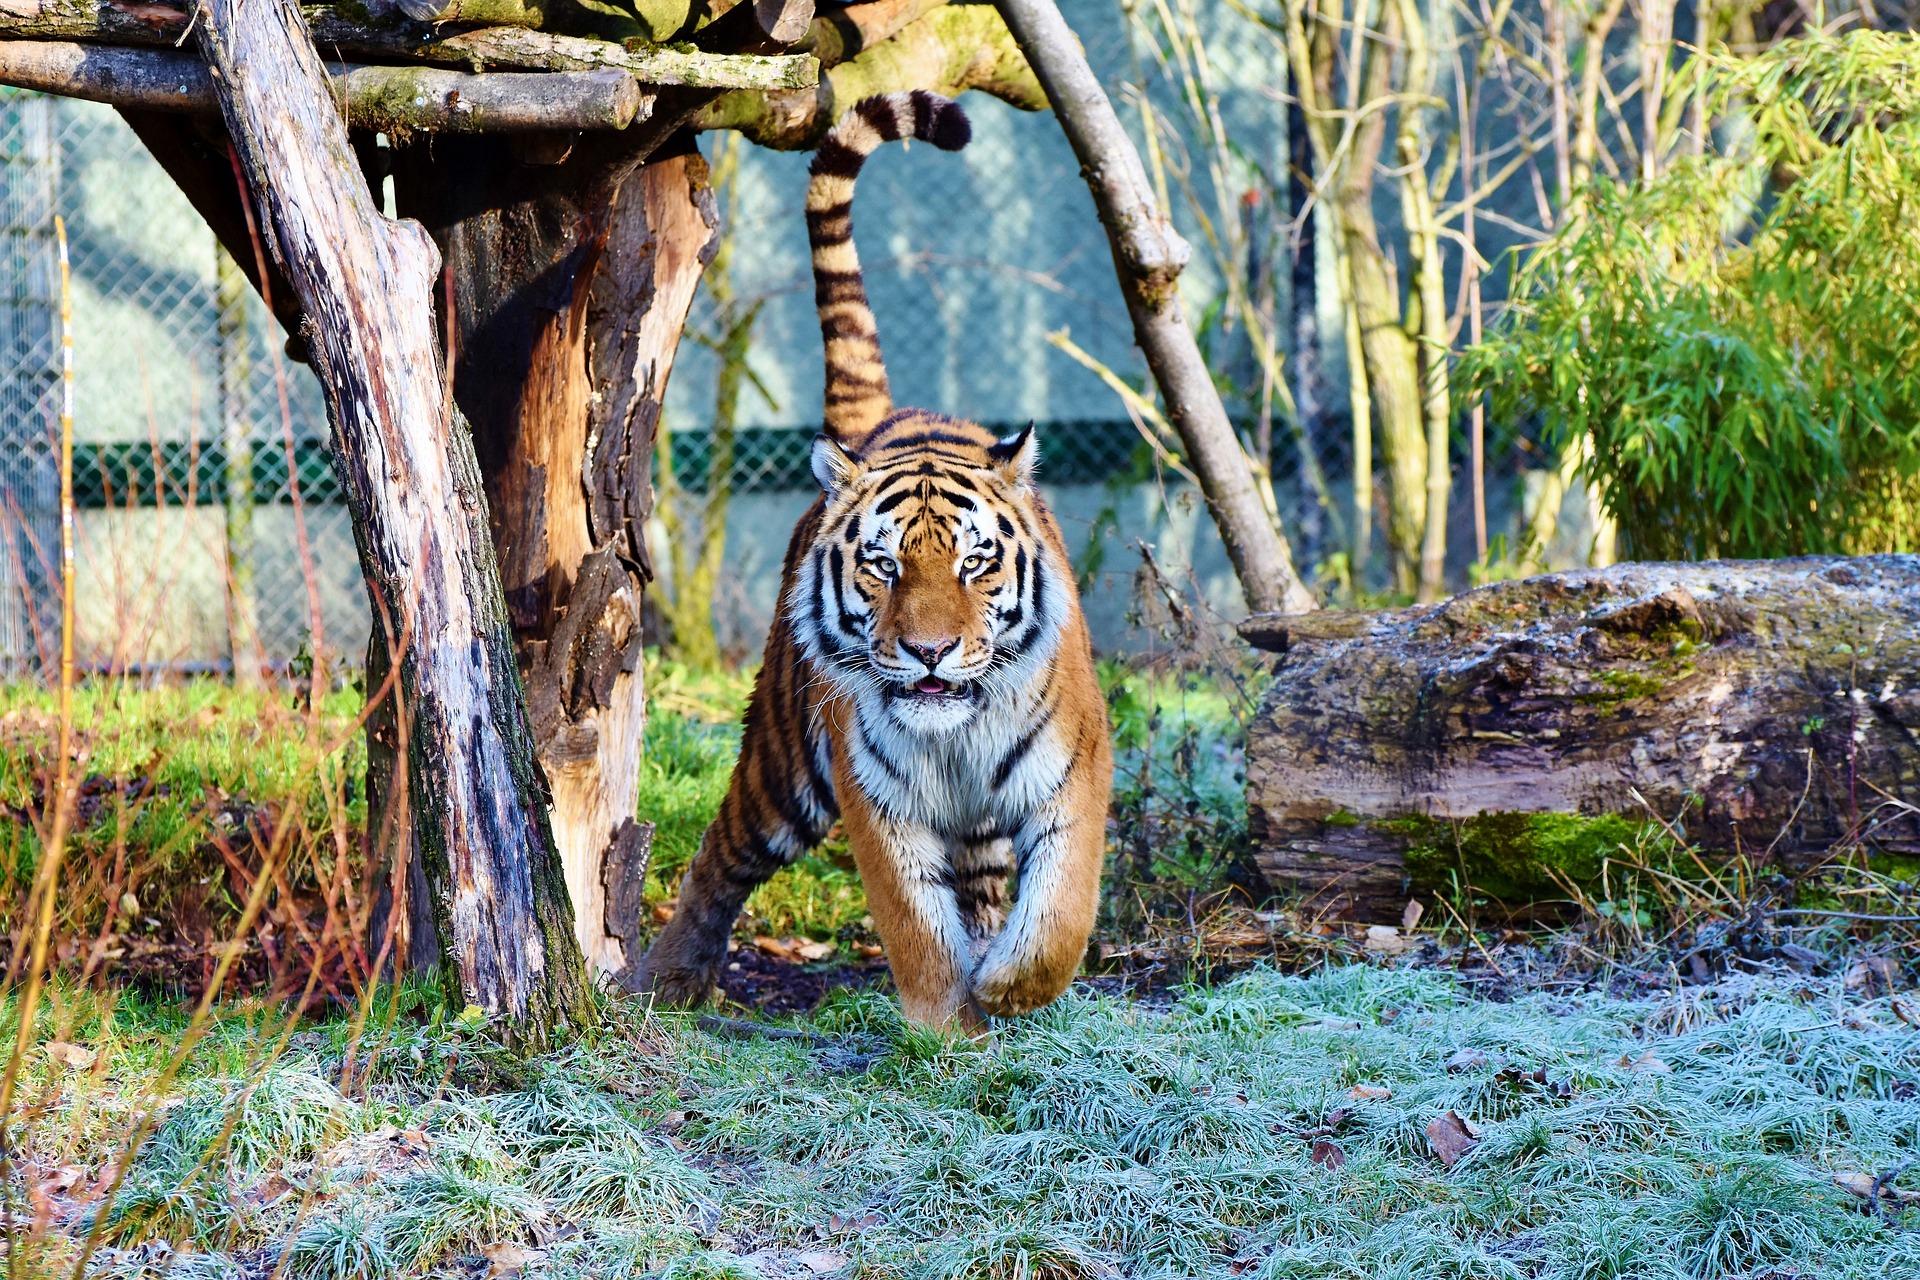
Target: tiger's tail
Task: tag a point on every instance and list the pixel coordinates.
(857, 393)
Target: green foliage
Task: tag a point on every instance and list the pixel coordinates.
(1735, 341)
(1179, 787)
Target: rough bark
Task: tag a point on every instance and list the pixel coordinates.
(1149, 256)
(1769, 707)
(342, 31)
(407, 465)
(949, 51)
(571, 284)
(388, 99)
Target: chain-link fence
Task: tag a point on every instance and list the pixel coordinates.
(210, 529)
(207, 528)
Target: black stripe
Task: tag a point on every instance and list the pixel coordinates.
(887, 766)
(1018, 751)
(883, 114)
(960, 500)
(836, 159)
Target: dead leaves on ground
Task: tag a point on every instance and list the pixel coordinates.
(74, 1057)
(1452, 1136)
(793, 950)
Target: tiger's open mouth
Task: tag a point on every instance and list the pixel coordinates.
(934, 689)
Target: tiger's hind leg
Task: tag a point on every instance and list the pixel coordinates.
(778, 805)
(981, 868)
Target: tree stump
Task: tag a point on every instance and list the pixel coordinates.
(1497, 741)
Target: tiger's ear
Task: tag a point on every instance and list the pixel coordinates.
(833, 466)
(1017, 455)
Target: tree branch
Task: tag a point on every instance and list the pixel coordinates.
(1149, 256)
(387, 99)
(127, 22)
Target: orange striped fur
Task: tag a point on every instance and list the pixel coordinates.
(928, 680)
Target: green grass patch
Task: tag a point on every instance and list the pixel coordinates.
(1693, 1135)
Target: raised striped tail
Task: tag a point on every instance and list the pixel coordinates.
(857, 393)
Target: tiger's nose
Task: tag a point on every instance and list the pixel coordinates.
(931, 651)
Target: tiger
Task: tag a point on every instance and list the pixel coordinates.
(928, 680)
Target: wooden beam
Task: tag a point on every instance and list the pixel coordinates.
(125, 22)
(407, 463)
(385, 99)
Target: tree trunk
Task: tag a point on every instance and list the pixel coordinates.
(406, 463)
(571, 283)
(1148, 256)
(1486, 745)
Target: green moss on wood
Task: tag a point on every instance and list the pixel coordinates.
(1513, 857)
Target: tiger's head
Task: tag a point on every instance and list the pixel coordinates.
(931, 583)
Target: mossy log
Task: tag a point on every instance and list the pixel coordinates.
(949, 50)
(1509, 738)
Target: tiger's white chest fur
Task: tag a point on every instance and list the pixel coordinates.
(986, 777)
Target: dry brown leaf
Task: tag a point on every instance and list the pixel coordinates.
(505, 1259)
(663, 911)
(57, 1182)
(1906, 1012)
(1385, 939)
(1451, 1137)
(1861, 1184)
(1410, 918)
(1646, 1062)
(1329, 1156)
(1466, 1060)
(1369, 1093)
(1876, 972)
(822, 1261)
(74, 1057)
(809, 950)
(872, 952)
(778, 948)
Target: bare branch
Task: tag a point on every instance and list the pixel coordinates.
(390, 99)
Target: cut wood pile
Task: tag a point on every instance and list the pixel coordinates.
(1514, 735)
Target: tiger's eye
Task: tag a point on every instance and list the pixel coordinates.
(973, 562)
(883, 566)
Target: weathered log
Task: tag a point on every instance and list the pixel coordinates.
(407, 465)
(1148, 256)
(571, 284)
(760, 26)
(949, 51)
(508, 48)
(385, 99)
(1519, 731)
(340, 31)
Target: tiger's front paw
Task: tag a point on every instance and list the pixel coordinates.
(1004, 987)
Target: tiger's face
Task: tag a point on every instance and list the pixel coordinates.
(928, 584)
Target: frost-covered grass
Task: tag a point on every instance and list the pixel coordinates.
(1679, 1137)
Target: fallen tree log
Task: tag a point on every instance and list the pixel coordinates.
(385, 99)
(1499, 743)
